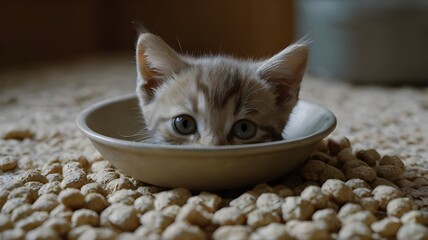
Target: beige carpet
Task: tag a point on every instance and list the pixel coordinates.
(38, 107)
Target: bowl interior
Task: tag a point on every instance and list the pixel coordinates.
(120, 120)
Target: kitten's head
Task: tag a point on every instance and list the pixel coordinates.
(216, 100)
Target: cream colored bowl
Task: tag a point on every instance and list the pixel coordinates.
(108, 124)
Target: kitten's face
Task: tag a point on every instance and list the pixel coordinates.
(215, 100)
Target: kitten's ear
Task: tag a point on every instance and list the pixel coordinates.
(285, 70)
(156, 61)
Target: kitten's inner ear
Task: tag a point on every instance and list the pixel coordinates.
(285, 70)
(156, 61)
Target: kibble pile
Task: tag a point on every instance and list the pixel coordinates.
(55, 186)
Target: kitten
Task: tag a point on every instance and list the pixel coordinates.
(215, 100)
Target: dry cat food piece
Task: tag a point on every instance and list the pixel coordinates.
(12, 204)
(194, 214)
(338, 191)
(283, 191)
(14, 233)
(383, 194)
(122, 216)
(3, 196)
(412, 231)
(209, 201)
(325, 158)
(269, 202)
(316, 170)
(315, 196)
(392, 160)
(415, 216)
(369, 204)
(346, 155)
(51, 168)
(362, 192)
(125, 196)
(144, 232)
(42, 233)
(386, 227)
(50, 187)
(60, 225)
(390, 172)
(229, 216)
(46, 202)
(5, 222)
(364, 216)
(156, 220)
(178, 196)
(357, 230)
(85, 217)
(18, 134)
(93, 187)
(327, 218)
(99, 233)
(72, 198)
(296, 208)
(33, 176)
(24, 192)
(118, 184)
(235, 232)
(95, 202)
(21, 212)
(74, 180)
(306, 230)
(363, 172)
(348, 209)
(62, 211)
(275, 231)
(356, 183)
(34, 220)
(8, 163)
(398, 206)
(370, 156)
(144, 204)
(246, 203)
(259, 218)
(171, 211)
(183, 231)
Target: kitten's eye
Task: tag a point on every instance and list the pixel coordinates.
(184, 124)
(244, 129)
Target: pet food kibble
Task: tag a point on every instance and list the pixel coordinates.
(54, 177)
(305, 230)
(245, 203)
(235, 232)
(364, 216)
(333, 147)
(269, 202)
(315, 196)
(345, 156)
(74, 180)
(229, 216)
(33, 175)
(412, 231)
(362, 192)
(348, 209)
(355, 230)
(5, 222)
(194, 214)
(34, 220)
(8, 163)
(51, 168)
(386, 227)
(144, 232)
(72, 198)
(85, 217)
(171, 211)
(3, 196)
(18, 134)
(75, 233)
(383, 194)
(261, 188)
(118, 184)
(356, 183)
(329, 218)
(24, 192)
(122, 216)
(296, 208)
(13, 203)
(338, 190)
(389, 172)
(42, 233)
(93, 187)
(258, 218)
(316, 170)
(60, 225)
(275, 231)
(398, 206)
(283, 191)
(325, 158)
(209, 201)
(392, 160)
(95, 202)
(369, 204)
(99, 233)
(125, 196)
(370, 156)
(62, 211)
(155, 220)
(46, 202)
(183, 231)
(383, 182)
(50, 187)
(415, 216)
(21, 212)
(176, 196)
(365, 173)
(14, 233)
(100, 165)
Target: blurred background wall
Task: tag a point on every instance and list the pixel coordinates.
(50, 30)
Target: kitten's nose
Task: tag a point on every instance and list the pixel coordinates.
(210, 140)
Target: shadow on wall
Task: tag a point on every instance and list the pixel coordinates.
(49, 30)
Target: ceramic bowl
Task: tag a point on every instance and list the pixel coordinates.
(111, 123)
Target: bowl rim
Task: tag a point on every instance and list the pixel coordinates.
(131, 145)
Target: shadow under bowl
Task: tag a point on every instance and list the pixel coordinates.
(110, 123)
